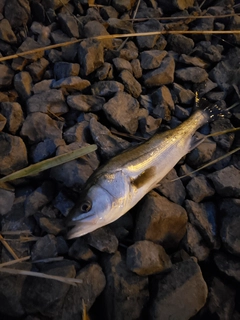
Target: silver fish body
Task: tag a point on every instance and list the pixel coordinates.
(118, 186)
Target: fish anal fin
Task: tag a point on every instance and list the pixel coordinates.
(144, 177)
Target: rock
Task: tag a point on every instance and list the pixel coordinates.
(185, 96)
(228, 264)
(149, 125)
(39, 126)
(117, 26)
(6, 32)
(78, 132)
(226, 181)
(11, 291)
(131, 85)
(194, 244)
(75, 173)
(163, 103)
(23, 84)
(192, 74)
(90, 56)
(147, 42)
(125, 293)
(54, 4)
(45, 247)
(94, 29)
(103, 239)
(63, 203)
(136, 68)
(65, 69)
(39, 198)
(72, 83)
(13, 154)
(80, 250)
(129, 51)
(180, 44)
(121, 64)
(50, 226)
(108, 12)
(230, 224)
(106, 88)
(221, 299)
(14, 115)
(182, 113)
(46, 296)
(160, 221)
(6, 200)
(152, 59)
(178, 5)
(109, 144)
(146, 258)
(105, 71)
(42, 86)
(69, 24)
(209, 52)
(199, 188)
(6, 76)
(194, 61)
(180, 294)
(44, 149)
(173, 190)
(203, 217)
(3, 122)
(17, 13)
(162, 75)
(122, 6)
(37, 69)
(93, 284)
(225, 141)
(30, 44)
(122, 111)
(85, 103)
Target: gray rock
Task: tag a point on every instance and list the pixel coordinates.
(72, 83)
(160, 220)
(44, 149)
(45, 247)
(130, 83)
(180, 294)
(125, 293)
(105, 71)
(93, 284)
(13, 154)
(11, 287)
(3, 122)
(185, 96)
(37, 69)
(51, 100)
(42, 86)
(118, 26)
(175, 5)
(129, 51)
(194, 244)
(23, 84)
(226, 181)
(147, 258)
(6, 76)
(203, 217)
(149, 125)
(182, 113)
(80, 250)
(230, 225)
(30, 44)
(79, 132)
(192, 74)
(136, 68)
(65, 69)
(180, 44)
(225, 141)
(173, 190)
(228, 264)
(6, 200)
(122, 6)
(194, 61)
(152, 59)
(108, 12)
(63, 203)
(6, 32)
(90, 56)
(39, 126)
(103, 240)
(75, 173)
(163, 103)
(122, 111)
(94, 29)
(147, 42)
(85, 103)
(17, 13)
(209, 52)
(39, 198)
(109, 144)
(14, 115)
(199, 188)
(69, 24)
(47, 296)
(162, 75)
(121, 64)
(50, 226)
(106, 88)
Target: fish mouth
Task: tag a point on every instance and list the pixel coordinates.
(81, 228)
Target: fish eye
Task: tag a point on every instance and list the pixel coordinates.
(86, 206)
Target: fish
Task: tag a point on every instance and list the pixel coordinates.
(116, 187)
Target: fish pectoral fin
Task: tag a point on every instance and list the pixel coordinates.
(144, 177)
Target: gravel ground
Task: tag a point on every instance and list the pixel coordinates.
(176, 255)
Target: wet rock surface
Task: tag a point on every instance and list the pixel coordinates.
(180, 243)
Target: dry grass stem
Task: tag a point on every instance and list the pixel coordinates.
(9, 249)
(10, 263)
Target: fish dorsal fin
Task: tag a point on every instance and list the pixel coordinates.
(144, 177)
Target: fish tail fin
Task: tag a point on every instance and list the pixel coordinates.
(212, 110)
